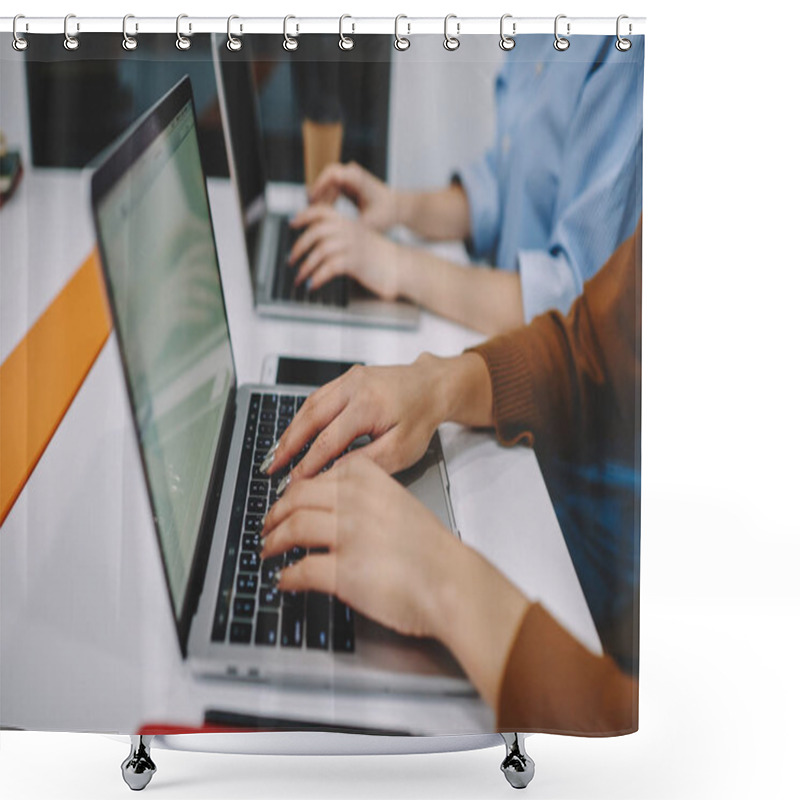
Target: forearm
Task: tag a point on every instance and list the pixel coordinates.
(440, 215)
(485, 299)
(477, 617)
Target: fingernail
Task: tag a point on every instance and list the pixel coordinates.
(263, 541)
(276, 578)
(269, 458)
(283, 485)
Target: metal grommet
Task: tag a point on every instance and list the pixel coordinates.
(401, 42)
(182, 42)
(289, 42)
(623, 45)
(451, 42)
(561, 44)
(19, 43)
(234, 42)
(129, 42)
(70, 42)
(507, 42)
(346, 42)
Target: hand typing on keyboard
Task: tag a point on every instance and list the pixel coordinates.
(398, 408)
(332, 245)
(374, 546)
(370, 542)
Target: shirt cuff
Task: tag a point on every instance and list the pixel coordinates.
(548, 282)
(480, 186)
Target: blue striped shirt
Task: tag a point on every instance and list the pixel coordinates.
(561, 187)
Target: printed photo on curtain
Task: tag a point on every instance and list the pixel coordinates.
(320, 380)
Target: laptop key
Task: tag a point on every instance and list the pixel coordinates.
(266, 429)
(318, 621)
(269, 567)
(292, 626)
(269, 597)
(259, 488)
(246, 584)
(257, 504)
(252, 523)
(266, 628)
(249, 561)
(251, 541)
(241, 632)
(244, 606)
(343, 628)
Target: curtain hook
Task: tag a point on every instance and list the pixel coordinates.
(401, 42)
(451, 42)
(182, 42)
(289, 42)
(129, 42)
(623, 45)
(561, 43)
(346, 42)
(70, 42)
(234, 42)
(19, 42)
(507, 42)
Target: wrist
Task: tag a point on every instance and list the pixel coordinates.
(403, 204)
(440, 381)
(466, 389)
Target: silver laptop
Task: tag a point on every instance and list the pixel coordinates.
(268, 235)
(202, 438)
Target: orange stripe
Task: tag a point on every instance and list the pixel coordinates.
(42, 375)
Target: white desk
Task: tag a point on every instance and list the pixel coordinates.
(86, 633)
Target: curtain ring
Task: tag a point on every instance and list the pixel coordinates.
(451, 42)
(561, 44)
(182, 42)
(129, 42)
(346, 42)
(623, 45)
(234, 42)
(19, 42)
(507, 42)
(289, 42)
(401, 43)
(70, 42)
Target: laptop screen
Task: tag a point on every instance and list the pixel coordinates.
(158, 247)
(241, 120)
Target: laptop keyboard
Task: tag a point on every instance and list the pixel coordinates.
(334, 293)
(250, 611)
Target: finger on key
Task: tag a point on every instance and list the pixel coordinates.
(316, 413)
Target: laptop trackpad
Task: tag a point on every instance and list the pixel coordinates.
(425, 480)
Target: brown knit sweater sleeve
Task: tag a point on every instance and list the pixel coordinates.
(572, 384)
(553, 684)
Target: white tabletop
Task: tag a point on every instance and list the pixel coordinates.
(86, 633)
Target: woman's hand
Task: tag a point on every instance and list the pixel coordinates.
(389, 558)
(334, 245)
(375, 200)
(397, 407)
(387, 555)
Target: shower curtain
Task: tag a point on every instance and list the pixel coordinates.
(320, 369)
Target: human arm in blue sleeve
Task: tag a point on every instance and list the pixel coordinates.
(600, 190)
